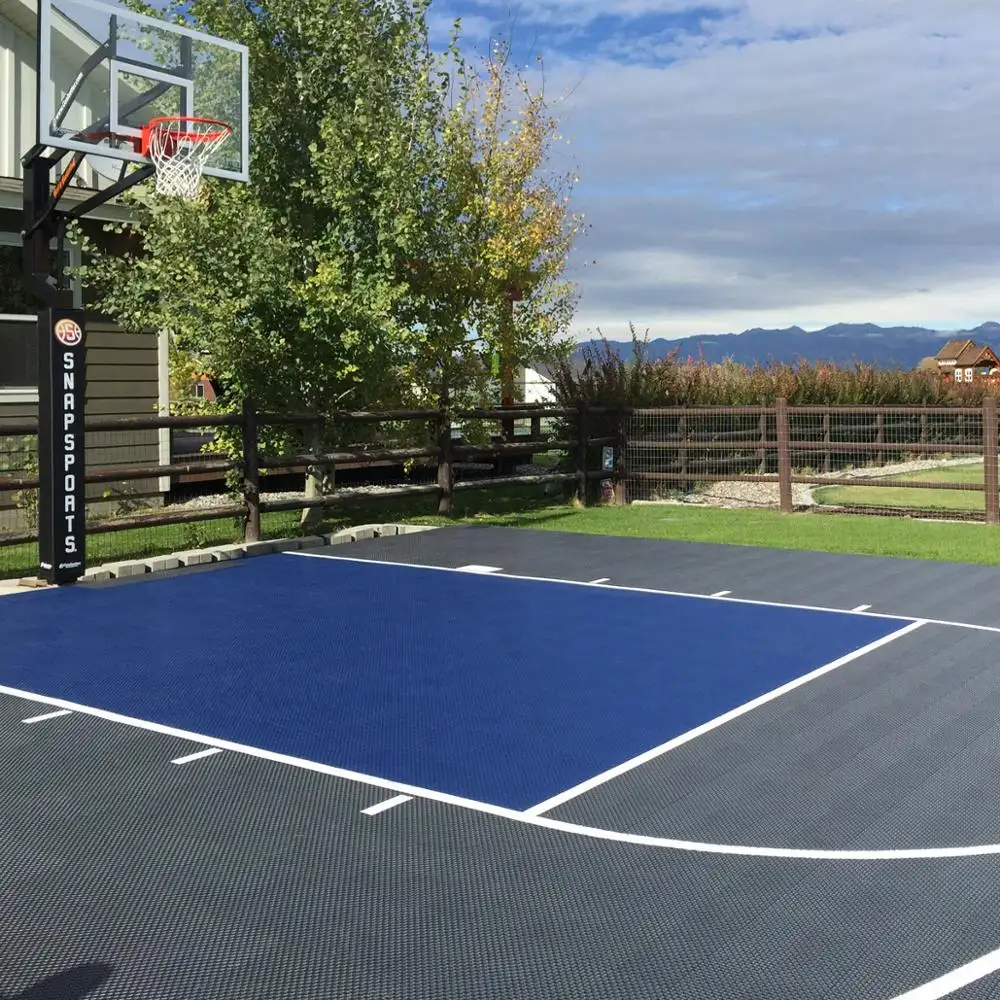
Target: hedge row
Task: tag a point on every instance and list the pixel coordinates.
(606, 379)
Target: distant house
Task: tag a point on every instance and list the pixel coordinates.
(537, 383)
(967, 361)
(202, 388)
(536, 386)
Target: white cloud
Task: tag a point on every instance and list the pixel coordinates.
(735, 178)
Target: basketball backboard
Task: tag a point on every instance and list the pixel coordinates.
(104, 72)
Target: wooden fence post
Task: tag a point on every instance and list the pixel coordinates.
(445, 468)
(583, 437)
(251, 473)
(784, 456)
(621, 443)
(683, 432)
(990, 448)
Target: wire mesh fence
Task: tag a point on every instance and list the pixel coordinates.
(906, 460)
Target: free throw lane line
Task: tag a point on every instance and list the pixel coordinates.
(211, 751)
(380, 807)
(628, 765)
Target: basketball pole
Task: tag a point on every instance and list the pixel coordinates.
(61, 361)
(61, 385)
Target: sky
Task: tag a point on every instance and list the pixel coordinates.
(768, 163)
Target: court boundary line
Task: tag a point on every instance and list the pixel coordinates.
(543, 822)
(624, 767)
(972, 626)
(956, 979)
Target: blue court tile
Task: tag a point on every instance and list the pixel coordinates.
(505, 691)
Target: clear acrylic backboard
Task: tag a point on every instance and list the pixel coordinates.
(104, 72)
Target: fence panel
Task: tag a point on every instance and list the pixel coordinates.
(893, 459)
(19, 493)
(713, 450)
(274, 475)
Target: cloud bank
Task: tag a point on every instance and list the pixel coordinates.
(772, 162)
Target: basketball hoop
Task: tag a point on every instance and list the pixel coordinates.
(179, 149)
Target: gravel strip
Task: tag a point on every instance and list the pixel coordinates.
(744, 494)
(219, 499)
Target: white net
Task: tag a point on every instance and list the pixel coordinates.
(179, 149)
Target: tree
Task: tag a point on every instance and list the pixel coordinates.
(289, 289)
(377, 250)
(493, 238)
(503, 134)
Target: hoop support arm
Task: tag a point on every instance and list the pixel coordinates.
(122, 184)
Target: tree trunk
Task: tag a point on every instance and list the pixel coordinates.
(320, 481)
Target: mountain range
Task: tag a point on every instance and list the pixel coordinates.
(842, 344)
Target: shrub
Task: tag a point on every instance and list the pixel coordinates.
(607, 379)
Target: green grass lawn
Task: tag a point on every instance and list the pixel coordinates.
(856, 533)
(532, 509)
(910, 498)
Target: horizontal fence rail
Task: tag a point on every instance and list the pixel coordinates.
(420, 444)
(824, 458)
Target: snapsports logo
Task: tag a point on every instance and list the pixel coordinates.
(68, 332)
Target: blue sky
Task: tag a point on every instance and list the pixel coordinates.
(771, 162)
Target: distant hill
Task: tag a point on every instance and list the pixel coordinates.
(842, 344)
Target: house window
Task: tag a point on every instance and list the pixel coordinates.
(18, 318)
(968, 374)
(199, 390)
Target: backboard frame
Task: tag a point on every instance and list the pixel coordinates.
(48, 135)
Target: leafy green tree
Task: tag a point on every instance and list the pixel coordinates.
(289, 289)
(394, 215)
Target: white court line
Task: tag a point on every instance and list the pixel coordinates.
(544, 822)
(663, 593)
(861, 607)
(48, 715)
(956, 979)
(396, 800)
(475, 568)
(721, 593)
(643, 758)
(197, 756)
(601, 579)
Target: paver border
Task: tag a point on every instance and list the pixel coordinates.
(222, 553)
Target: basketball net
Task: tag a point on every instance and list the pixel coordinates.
(179, 148)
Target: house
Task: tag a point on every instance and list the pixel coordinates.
(966, 361)
(536, 386)
(126, 373)
(202, 388)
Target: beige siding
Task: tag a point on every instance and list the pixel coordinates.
(122, 383)
(12, 452)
